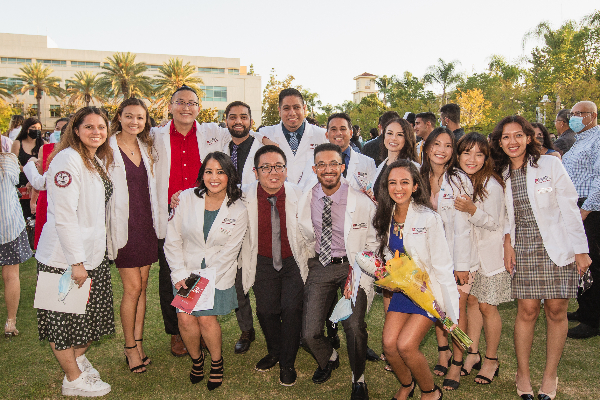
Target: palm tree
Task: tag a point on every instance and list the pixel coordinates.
(385, 83)
(36, 77)
(123, 77)
(443, 73)
(83, 88)
(6, 88)
(172, 75)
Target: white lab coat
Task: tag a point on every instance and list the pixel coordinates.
(425, 242)
(210, 138)
(185, 246)
(553, 200)
(359, 233)
(312, 137)
(75, 230)
(118, 206)
(360, 169)
(458, 230)
(248, 171)
(488, 227)
(38, 182)
(248, 255)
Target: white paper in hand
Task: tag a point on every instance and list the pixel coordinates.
(207, 300)
(46, 295)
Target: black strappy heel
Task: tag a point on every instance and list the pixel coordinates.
(197, 372)
(145, 358)
(136, 369)
(216, 372)
(440, 367)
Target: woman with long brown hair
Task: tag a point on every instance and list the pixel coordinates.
(133, 220)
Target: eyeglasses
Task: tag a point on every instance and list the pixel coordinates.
(190, 104)
(324, 166)
(267, 169)
(578, 113)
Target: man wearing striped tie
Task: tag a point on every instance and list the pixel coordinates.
(335, 223)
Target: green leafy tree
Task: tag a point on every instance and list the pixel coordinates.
(123, 77)
(172, 75)
(208, 115)
(6, 112)
(366, 113)
(409, 94)
(36, 77)
(270, 104)
(385, 83)
(444, 74)
(83, 88)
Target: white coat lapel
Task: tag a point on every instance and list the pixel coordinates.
(167, 142)
(350, 208)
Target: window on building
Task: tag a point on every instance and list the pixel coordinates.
(32, 93)
(12, 81)
(153, 67)
(54, 62)
(85, 64)
(54, 110)
(214, 93)
(233, 71)
(205, 70)
(9, 60)
(220, 114)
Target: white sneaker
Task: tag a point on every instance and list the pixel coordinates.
(86, 385)
(86, 366)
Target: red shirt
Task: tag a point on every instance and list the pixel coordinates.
(264, 223)
(185, 160)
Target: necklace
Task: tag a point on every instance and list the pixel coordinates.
(398, 229)
(128, 148)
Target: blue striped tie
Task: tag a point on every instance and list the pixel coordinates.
(293, 142)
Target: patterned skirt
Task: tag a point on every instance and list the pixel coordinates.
(492, 290)
(66, 330)
(16, 251)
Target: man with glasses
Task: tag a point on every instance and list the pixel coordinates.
(582, 163)
(566, 135)
(181, 145)
(273, 260)
(336, 223)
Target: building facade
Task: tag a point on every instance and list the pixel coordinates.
(365, 85)
(225, 80)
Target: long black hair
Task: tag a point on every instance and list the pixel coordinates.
(546, 141)
(385, 204)
(233, 190)
(408, 151)
(24, 133)
(451, 166)
(501, 159)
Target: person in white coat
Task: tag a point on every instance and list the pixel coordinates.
(75, 236)
(491, 285)
(405, 222)
(133, 220)
(273, 260)
(181, 147)
(446, 183)
(206, 231)
(296, 137)
(335, 222)
(545, 245)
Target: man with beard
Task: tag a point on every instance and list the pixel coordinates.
(335, 222)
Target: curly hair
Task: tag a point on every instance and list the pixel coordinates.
(233, 190)
(409, 151)
(501, 159)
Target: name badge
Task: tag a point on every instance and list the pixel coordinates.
(312, 146)
(229, 221)
(362, 225)
(212, 141)
(544, 190)
(362, 174)
(448, 196)
(543, 179)
(419, 231)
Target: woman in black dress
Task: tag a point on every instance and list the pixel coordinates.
(132, 240)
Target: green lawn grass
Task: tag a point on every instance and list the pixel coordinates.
(29, 370)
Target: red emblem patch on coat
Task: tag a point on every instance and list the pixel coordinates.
(171, 214)
(62, 179)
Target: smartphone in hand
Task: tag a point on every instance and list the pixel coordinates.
(190, 282)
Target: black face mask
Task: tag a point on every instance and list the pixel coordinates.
(33, 133)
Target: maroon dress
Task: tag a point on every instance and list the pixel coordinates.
(142, 244)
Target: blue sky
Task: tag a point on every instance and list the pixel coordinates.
(323, 44)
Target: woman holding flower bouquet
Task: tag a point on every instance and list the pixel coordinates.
(405, 222)
(545, 245)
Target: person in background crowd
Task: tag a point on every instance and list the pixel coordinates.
(294, 135)
(566, 136)
(403, 208)
(450, 117)
(374, 133)
(6, 144)
(446, 183)
(491, 285)
(410, 117)
(133, 221)
(14, 128)
(582, 163)
(14, 246)
(75, 237)
(27, 145)
(356, 140)
(55, 136)
(424, 125)
(373, 147)
(273, 260)
(544, 246)
(543, 137)
(322, 210)
(206, 230)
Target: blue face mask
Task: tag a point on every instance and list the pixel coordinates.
(576, 124)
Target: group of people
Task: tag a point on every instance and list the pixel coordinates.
(285, 211)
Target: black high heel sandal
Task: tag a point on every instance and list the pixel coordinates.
(145, 358)
(216, 372)
(137, 369)
(485, 378)
(451, 383)
(197, 372)
(435, 388)
(477, 365)
(440, 367)
(412, 392)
